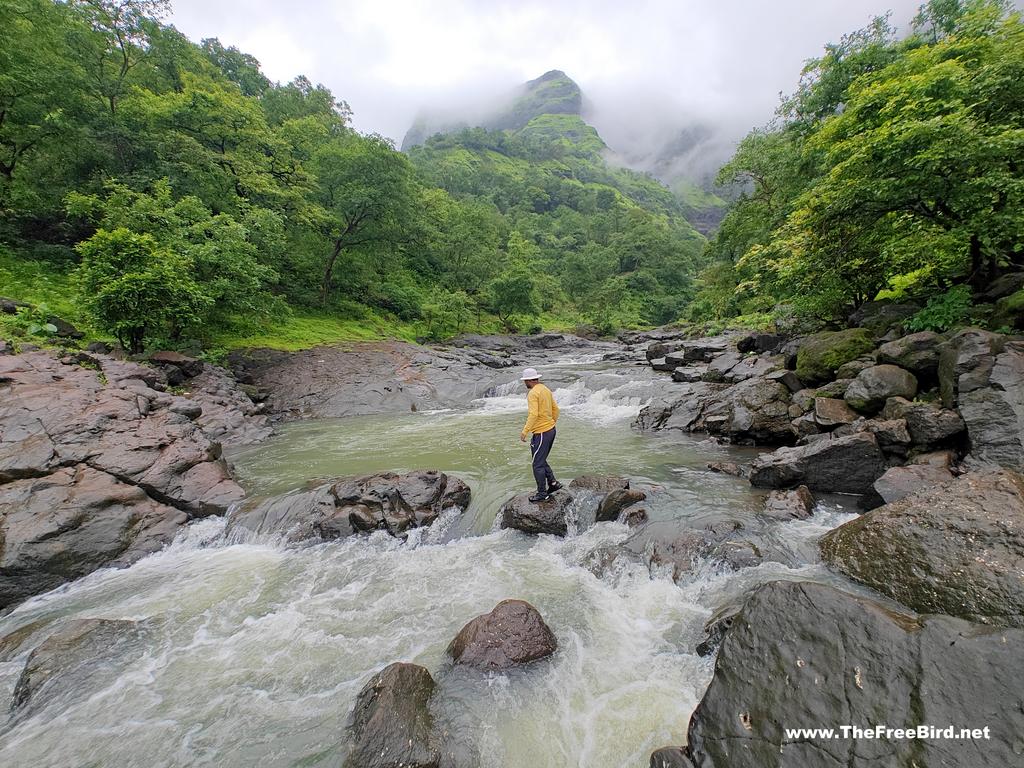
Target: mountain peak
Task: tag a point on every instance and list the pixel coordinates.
(553, 93)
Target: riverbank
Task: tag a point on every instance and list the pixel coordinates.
(305, 606)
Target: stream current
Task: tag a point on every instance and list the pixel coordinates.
(253, 651)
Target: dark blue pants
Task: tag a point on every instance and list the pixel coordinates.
(540, 447)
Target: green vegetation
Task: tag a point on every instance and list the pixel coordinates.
(894, 171)
(160, 192)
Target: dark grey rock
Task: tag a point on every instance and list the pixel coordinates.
(917, 353)
(786, 377)
(957, 549)
(391, 724)
(544, 517)
(873, 386)
(670, 757)
(807, 653)
(927, 423)
(760, 342)
(848, 464)
(512, 634)
(900, 482)
(688, 373)
(796, 504)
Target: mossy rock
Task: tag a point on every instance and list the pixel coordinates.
(1009, 312)
(821, 354)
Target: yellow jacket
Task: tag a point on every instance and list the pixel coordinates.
(543, 410)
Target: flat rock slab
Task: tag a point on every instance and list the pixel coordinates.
(513, 633)
(391, 724)
(803, 655)
(956, 549)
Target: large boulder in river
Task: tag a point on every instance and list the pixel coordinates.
(386, 501)
(72, 657)
(873, 386)
(849, 464)
(512, 634)
(983, 374)
(670, 757)
(391, 725)
(821, 355)
(679, 547)
(537, 517)
(681, 409)
(755, 410)
(63, 526)
(956, 549)
(796, 504)
(917, 353)
(804, 655)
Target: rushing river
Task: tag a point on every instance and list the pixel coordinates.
(253, 652)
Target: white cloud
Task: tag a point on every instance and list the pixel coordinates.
(642, 64)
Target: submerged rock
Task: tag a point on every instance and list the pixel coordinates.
(789, 505)
(513, 633)
(615, 494)
(849, 464)
(391, 725)
(956, 549)
(543, 517)
(807, 655)
(72, 656)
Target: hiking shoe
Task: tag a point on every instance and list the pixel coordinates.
(537, 498)
(555, 486)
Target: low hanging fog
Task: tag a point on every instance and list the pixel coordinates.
(671, 85)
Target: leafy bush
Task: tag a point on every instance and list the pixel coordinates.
(134, 289)
(944, 311)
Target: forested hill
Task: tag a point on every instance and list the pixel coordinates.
(163, 192)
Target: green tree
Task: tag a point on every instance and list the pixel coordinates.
(134, 289)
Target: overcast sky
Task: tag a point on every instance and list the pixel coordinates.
(643, 64)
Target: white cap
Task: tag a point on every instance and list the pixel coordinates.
(530, 374)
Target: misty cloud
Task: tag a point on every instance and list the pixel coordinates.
(648, 69)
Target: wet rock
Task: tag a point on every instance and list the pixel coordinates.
(848, 464)
(71, 522)
(546, 517)
(72, 656)
(788, 378)
(398, 502)
(756, 410)
(727, 468)
(851, 369)
(797, 504)
(760, 342)
(833, 389)
(600, 483)
(715, 629)
(670, 757)
(386, 501)
(986, 374)
(634, 516)
(900, 482)
(881, 316)
(616, 501)
(808, 653)
(926, 422)
(659, 349)
(873, 386)
(732, 367)
(957, 549)
(917, 353)
(680, 548)
(831, 412)
(391, 724)
(681, 410)
(189, 367)
(662, 364)
(688, 373)
(64, 329)
(512, 634)
(821, 354)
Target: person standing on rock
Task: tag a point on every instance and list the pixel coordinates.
(541, 424)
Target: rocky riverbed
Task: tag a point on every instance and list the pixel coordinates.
(662, 557)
